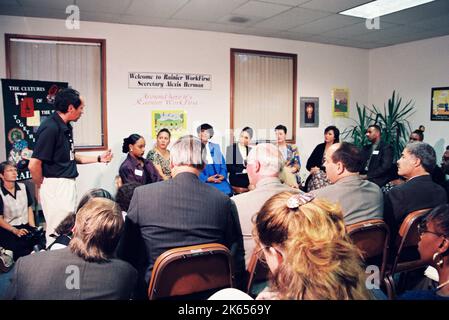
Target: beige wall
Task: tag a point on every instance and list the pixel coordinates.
(151, 49)
(412, 69)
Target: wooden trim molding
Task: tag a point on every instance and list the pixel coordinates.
(102, 42)
(294, 58)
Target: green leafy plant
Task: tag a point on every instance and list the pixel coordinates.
(356, 132)
(392, 120)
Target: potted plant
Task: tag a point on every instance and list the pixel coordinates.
(392, 120)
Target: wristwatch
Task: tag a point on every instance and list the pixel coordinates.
(99, 158)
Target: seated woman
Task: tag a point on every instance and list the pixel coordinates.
(236, 155)
(17, 226)
(290, 172)
(86, 269)
(160, 155)
(317, 178)
(215, 172)
(433, 248)
(305, 245)
(135, 167)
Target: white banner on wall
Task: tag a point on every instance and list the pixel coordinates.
(160, 80)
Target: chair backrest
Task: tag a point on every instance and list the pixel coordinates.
(189, 270)
(257, 271)
(408, 236)
(372, 237)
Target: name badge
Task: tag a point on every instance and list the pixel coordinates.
(376, 152)
(138, 172)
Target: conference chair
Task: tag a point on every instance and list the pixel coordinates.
(405, 256)
(191, 270)
(258, 272)
(372, 237)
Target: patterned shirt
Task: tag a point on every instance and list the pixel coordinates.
(159, 160)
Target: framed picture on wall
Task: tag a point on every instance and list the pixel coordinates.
(340, 102)
(309, 112)
(439, 110)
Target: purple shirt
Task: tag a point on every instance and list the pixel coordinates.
(132, 171)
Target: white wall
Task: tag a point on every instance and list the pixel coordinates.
(151, 49)
(412, 69)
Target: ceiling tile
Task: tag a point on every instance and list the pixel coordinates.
(334, 6)
(250, 20)
(99, 17)
(433, 23)
(294, 35)
(11, 10)
(326, 24)
(259, 32)
(287, 2)
(207, 10)
(290, 19)
(260, 9)
(10, 3)
(199, 25)
(44, 4)
(110, 6)
(155, 8)
(46, 13)
(384, 35)
(422, 12)
(356, 29)
(141, 20)
(419, 36)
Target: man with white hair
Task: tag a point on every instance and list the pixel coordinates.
(180, 212)
(264, 164)
(418, 160)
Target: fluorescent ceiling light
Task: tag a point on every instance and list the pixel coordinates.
(382, 7)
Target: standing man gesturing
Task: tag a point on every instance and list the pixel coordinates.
(53, 165)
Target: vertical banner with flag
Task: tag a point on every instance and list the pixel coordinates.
(26, 104)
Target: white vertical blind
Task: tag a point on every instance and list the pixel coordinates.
(78, 64)
(263, 93)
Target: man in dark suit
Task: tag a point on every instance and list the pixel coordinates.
(378, 158)
(180, 212)
(419, 191)
(83, 271)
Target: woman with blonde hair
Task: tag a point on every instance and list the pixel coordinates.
(306, 247)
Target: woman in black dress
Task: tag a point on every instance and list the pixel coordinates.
(317, 178)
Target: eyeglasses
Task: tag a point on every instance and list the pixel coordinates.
(260, 253)
(423, 229)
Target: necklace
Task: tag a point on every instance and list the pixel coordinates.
(442, 285)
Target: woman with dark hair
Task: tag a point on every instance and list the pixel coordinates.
(135, 167)
(17, 225)
(292, 162)
(160, 155)
(215, 172)
(433, 248)
(236, 155)
(315, 164)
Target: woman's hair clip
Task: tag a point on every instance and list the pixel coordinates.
(299, 199)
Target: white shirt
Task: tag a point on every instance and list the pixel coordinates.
(208, 155)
